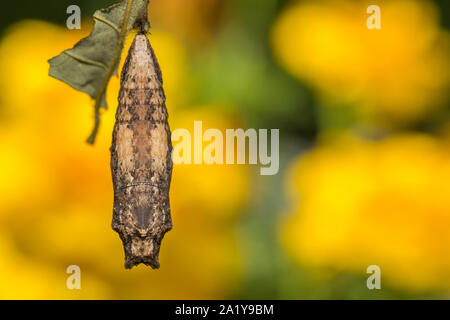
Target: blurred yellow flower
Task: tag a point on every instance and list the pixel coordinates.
(56, 191)
(194, 20)
(392, 75)
(29, 278)
(387, 203)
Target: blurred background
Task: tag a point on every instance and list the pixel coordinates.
(364, 123)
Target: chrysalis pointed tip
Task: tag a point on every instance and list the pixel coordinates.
(142, 250)
(131, 261)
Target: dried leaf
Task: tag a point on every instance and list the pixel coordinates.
(89, 65)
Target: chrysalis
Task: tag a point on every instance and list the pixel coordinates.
(141, 161)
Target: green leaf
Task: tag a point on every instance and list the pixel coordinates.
(89, 65)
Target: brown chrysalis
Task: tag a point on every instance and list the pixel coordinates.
(141, 160)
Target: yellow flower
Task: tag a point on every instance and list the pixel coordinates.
(386, 203)
(56, 192)
(399, 72)
(194, 20)
(29, 278)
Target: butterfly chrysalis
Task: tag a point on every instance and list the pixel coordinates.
(141, 161)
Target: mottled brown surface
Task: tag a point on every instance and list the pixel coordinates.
(141, 161)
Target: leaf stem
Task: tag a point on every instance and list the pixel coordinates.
(111, 68)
